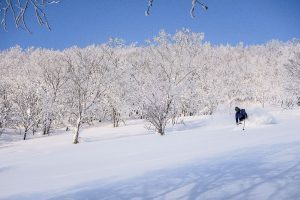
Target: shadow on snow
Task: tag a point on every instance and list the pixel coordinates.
(268, 172)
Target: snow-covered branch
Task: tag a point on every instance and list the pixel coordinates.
(192, 11)
(18, 10)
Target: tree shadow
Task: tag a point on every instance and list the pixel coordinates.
(268, 172)
(189, 125)
(4, 168)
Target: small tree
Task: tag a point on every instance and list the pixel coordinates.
(27, 107)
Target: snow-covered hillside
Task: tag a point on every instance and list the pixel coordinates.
(206, 157)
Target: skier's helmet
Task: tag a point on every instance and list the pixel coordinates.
(236, 109)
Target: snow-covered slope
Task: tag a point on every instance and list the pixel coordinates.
(203, 158)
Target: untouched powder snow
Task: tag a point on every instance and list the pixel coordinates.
(205, 157)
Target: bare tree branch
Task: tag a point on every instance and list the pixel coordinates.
(194, 3)
(19, 8)
(147, 12)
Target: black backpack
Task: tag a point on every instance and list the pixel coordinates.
(243, 113)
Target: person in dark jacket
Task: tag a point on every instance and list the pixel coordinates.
(240, 115)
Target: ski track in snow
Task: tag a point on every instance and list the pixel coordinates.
(204, 158)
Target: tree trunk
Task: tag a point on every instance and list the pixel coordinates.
(77, 131)
(173, 121)
(47, 127)
(116, 117)
(263, 100)
(161, 131)
(33, 131)
(25, 134)
(44, 130)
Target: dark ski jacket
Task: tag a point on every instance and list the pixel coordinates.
(240, 115)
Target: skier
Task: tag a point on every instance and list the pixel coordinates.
(240, 115)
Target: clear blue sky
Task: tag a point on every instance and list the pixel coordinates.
(85, 22)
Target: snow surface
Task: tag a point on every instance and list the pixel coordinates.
(260, 116)
(205, 157)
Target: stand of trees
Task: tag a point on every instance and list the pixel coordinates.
(171, 76)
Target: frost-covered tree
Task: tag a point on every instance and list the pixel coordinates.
(27, 103)
(17, 103)
(5, 104)
(293, 68)
(86, 85)
(52, 75)
(116, 98)
(27, 109)
(162, 73)
(5, 93)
